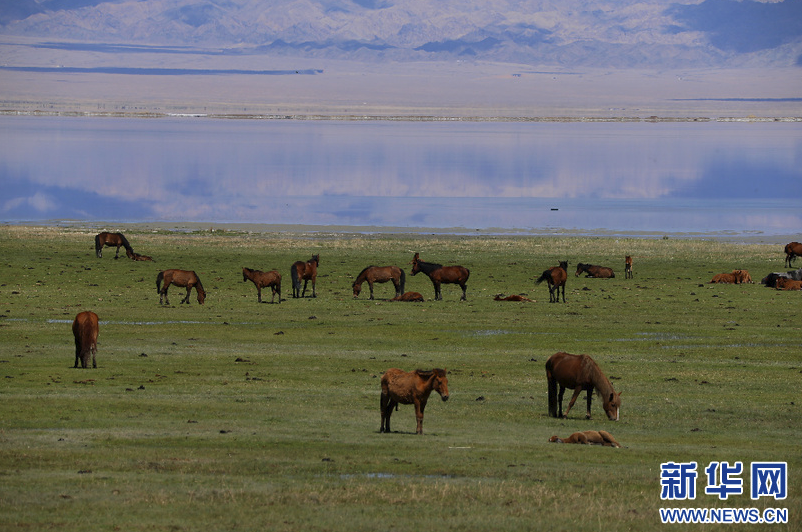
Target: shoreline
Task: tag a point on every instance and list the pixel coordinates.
(346, 231)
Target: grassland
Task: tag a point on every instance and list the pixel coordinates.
(241, 416)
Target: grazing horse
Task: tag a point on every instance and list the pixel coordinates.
(588, 437)
(409, 296)
(262, 280)
(111, 239)
(136, 256)
(792, 251)
(179, 278)
(306, 271)
(380, 274)
(784, 283)
(600, 272)
(407, 388)
(514, 297)
(555, 277)
(85, 330)
(579, 372)
(627, 267)
(440, 274)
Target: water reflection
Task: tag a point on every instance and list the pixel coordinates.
(617, 176)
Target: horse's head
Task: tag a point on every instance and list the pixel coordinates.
(612, 404)
(201, 294)
(579, 268)
(415, 265)
(244, 274)
(357, 289)
(440, 384)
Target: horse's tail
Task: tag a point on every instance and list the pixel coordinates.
(296, 281)
(159, 281)
(126, 244)
(544, 277)
(403, 280)
(98, 246)
(552, 390)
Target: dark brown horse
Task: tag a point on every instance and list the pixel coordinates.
(262, 280)
(599, 272)
(136, 256)
(784, 283)
(440, 274)
(588, 437)
(627, 267)
(407, 388)
(380, 274)
(555, 277)
(792, 251)
(111, 240)
(409, 296)
(306, 271)
(85, 330)
(579, 372)
(513, 297)
(179, 278)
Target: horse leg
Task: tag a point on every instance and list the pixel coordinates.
(419, 407)
(259, 293)
(437, 294)
(560, 401)
(77, 352)
(186, 299)
(558, 290)
(370, 285)
(590, 398)
(464, 292)
(303, 292)
(577, 391)
(313, 287)
(163, 294)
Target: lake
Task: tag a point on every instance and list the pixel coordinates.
(732, 178)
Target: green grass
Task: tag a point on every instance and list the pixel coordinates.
(240, 416)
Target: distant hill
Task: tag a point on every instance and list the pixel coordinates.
(624, 33)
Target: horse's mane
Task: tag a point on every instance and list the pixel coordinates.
(125, 243)
(428, 266)
(592, 372)
(364, 270)
(426, 373)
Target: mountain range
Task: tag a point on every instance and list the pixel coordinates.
(623, 34)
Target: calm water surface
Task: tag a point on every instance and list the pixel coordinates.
(742, 178)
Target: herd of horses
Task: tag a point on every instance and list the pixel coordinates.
(577, 373)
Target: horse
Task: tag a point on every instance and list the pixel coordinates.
(409, 296)
(792, 251)
(85, 330)
(380, 274)
(771, 279)
(136, 256)
(179, 278)
(579, 372)
(414, 387)
(784, 283)
(440, 274)
(305, 271)
(600, 272)
(262, 279)
(514, 297)
(555, 277)
(588, 437)
(736, 277)
(111, 239)
(627, 267)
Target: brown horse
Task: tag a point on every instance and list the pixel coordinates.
(627, 267)
(579, 372)
(588, 437)
(514, 297)
(555, 277)
(85, 330)
(599, 272)
(380, 274)
(784, 283)
(179, 278)
(136, 256)
(306, 271)
(112, 240)
(409, 296)
(736, 277)
(262, 280)
(412, 387)
(792, 251)
(440, 274)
